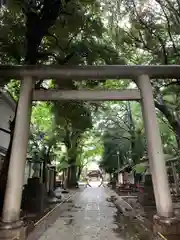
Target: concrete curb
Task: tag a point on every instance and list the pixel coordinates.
(30, 228)
(128, 210)
(121, 204)
(52, 210)
(26, 230)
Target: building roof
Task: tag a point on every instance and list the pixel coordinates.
(6, 96)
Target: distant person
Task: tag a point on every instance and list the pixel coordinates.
(101, 184)
(139, 170)
(87, 182)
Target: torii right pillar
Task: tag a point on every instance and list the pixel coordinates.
(165, 221)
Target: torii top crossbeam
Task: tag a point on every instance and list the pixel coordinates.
(90, 72)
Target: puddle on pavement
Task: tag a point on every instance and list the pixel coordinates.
(70, 221)
(111, 205)
(75, 206)
(74, 210)
(66, 216)
(130, 228)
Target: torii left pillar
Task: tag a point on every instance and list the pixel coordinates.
(11, 225)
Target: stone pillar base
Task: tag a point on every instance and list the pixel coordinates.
(168, 227)
(15, 231)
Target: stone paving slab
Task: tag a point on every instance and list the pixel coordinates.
(90, 216)
(51, 217)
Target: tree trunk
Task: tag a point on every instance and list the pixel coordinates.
(79, 173)
(114, 181)
(132, 133)
(72, 176)
(110, 177)
(45, 177)
(35, 31)
(68, 176)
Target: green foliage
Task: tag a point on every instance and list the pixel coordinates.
(116, 151)
(13, 87)
(90, 32)
(147, 33)
(66, 41)
(90, 149)
(122, 137)
(42, 119)
(45, 137)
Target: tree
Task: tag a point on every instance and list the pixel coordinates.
(54, 32)
(45, 136)
(149, 36)
(90, 149)
(58, 32)
(122, 143)
(39, 17)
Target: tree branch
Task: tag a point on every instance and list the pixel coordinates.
(170, 117)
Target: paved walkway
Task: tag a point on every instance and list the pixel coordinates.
(91, 217)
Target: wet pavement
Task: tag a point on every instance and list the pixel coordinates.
(90, 216)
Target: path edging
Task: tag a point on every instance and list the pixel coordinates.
(128, 210)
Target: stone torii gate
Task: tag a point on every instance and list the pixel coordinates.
(140, 74)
